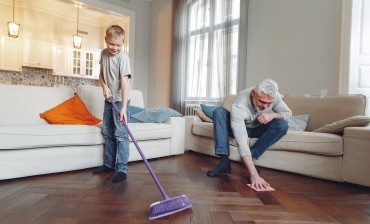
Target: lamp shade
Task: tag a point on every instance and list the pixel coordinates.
(77, 41)
(13, 29)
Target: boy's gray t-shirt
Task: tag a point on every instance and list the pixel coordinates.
(115, 67)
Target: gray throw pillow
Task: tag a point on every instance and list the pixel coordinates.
(156, 115)
(298, 122)
(339, 126)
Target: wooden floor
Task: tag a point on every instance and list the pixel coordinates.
(79, 197)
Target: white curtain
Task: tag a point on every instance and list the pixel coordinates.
(207, 63)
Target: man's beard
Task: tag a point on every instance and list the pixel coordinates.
(259, 110)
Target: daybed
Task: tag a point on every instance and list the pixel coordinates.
(31, 146)
(330, 156)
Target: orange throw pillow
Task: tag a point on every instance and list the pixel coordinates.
(72, 111)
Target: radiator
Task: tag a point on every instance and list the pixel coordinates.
(189, 109)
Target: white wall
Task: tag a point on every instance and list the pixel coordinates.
(159, 78)
(295, 42)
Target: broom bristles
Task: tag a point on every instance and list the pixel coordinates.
(169, 206)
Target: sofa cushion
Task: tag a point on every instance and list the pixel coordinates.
(228, 101)
(325, 110)
(38, 136)
(93, 98)
(297, 141)
(308, 142)
(205, 129)
(28, 101)
(150, 131)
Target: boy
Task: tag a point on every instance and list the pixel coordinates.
(113, 78)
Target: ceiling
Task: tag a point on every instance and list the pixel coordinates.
(68, 9)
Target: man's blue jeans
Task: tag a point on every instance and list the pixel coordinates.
(116, 139)
(267, 134)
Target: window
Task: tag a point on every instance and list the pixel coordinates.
(212, 52)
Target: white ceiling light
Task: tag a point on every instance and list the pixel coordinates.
(77, 39)
(13, 27)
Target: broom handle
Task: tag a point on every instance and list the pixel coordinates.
(140, 151)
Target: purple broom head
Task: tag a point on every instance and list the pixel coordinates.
(169, 206)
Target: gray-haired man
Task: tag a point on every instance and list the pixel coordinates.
(258, 112)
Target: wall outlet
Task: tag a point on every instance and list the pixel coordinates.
(323, 92)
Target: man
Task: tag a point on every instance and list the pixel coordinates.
(257, 112)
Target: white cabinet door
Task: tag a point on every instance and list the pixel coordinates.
(85, 63)
(77, 62)
(11, 54)
(61, 60)
(92, 66)
(37, 54)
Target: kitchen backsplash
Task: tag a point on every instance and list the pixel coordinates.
(42, 77)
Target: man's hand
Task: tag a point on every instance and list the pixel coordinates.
(256, 181)
(265, 118)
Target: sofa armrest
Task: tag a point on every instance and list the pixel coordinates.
(190, 120)
(178, 139)
(356, 157)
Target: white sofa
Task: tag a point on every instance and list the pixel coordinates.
(30, 146)
(323, 155)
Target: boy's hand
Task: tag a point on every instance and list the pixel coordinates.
(107, 93)
(123, 115)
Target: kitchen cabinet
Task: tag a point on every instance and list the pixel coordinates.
(61, 60)
(37, 54)
(85, 63)
(11, 54)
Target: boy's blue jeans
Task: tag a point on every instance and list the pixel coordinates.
(116, 139)
(267, 134)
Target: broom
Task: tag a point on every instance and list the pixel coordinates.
(169, 205)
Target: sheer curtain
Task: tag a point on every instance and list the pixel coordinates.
(207, 63)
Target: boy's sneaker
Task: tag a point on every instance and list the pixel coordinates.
(101, 169)
(120, 176)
